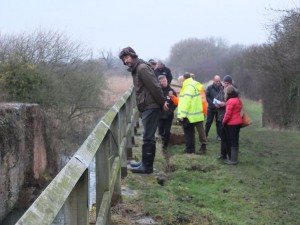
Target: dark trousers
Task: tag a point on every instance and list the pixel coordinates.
(211, 116)
(231, 137)
(224, 147)
(164, 128)
(150, 119)
(189, 137)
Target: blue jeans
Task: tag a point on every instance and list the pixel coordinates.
(150, 120)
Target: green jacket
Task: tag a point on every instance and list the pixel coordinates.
(149, 94)
(190, 102)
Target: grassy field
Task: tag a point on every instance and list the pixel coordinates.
(264, 188)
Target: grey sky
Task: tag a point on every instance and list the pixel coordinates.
(150, 27)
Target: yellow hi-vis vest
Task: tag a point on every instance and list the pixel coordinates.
(190, 103)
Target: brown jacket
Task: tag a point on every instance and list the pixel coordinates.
(149, 94)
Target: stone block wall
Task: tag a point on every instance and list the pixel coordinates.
(23, 154)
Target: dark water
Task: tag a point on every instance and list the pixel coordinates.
(13, 217)
(16, 214)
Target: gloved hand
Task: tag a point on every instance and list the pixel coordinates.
(179, 121)
(184, 122)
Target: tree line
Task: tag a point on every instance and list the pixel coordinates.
(269, 72)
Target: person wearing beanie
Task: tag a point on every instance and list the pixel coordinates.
(221, 109)
(150, 100)
(227, 79)
(161, 69)
(152, 63)
(128, 51)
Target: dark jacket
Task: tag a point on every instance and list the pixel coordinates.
(164, 71)
(221, 111)
(211, 92)
(171, 105)
(149, 94)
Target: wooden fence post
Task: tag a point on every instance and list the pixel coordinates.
(102, 171)
(116, 134)
(76, 208)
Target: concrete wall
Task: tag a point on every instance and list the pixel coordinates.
(23, 155)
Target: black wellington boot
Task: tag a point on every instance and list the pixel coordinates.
(142, 169)
(234, 156)
(148, 154)
(135, 164)
(223, 153)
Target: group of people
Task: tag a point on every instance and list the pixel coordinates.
(225, 106)
(157, 101)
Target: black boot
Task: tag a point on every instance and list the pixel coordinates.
(164, 149)
(142, 169)
(135, 164)
(202, 150)
(148, 154)
(222, 157)
(165, 143)
(234, 156)
(223, 153)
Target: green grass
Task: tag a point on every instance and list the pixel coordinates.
(262, 189)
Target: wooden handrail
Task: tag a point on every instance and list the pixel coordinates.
(108, 144)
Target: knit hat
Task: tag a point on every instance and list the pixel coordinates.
(127, 51)
(152, 61)
(228, 79)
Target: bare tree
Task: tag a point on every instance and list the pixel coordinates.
(108, 58)
(200, 56)
(48, 68)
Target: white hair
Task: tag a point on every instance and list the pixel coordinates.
(180, 79)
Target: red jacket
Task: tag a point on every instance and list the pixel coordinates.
(233, 112)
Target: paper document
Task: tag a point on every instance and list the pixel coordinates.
(216, 101)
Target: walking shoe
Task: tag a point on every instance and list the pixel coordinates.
(188, 151)
(202, 150)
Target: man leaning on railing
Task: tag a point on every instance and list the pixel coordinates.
(150, 100)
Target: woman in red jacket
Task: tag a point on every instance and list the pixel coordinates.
(232, 123)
